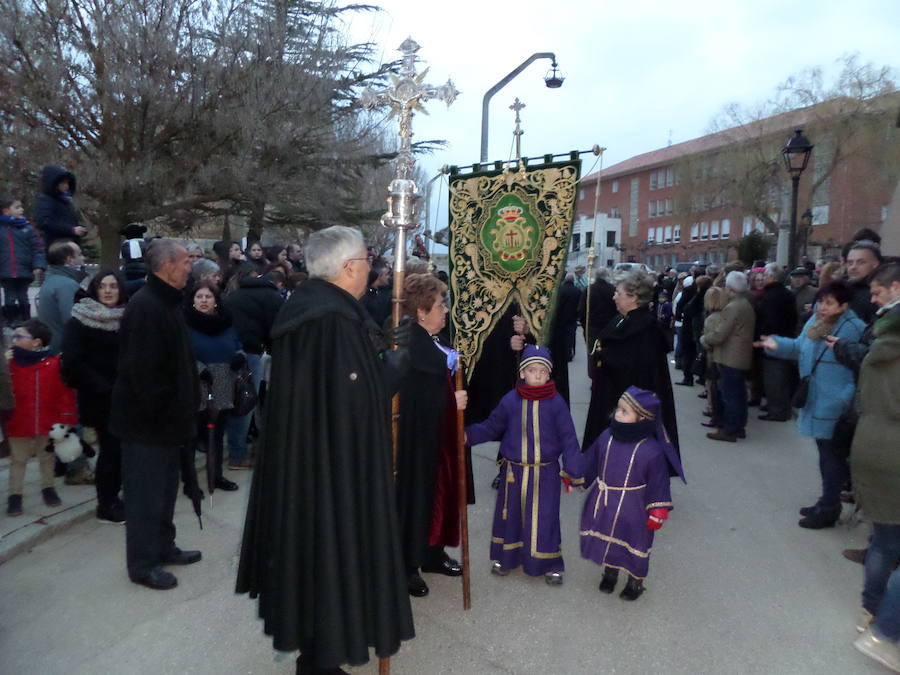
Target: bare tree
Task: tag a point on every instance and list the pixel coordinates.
(850, 119)
(178, 109)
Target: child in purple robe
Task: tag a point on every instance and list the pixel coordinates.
(628, 469)
(535, 429)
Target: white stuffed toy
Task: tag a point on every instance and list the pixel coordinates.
(68, 446)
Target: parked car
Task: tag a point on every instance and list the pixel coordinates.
(686, 266)
(630, 266)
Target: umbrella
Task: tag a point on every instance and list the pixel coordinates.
(211, 414)
(189, 478)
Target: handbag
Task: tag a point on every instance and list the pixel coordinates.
(245, 396)
(844, 429)
(801, 395)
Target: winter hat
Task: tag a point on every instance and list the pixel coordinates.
(536, 354)
(647, 405)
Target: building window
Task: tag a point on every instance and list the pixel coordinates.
(653, 183)
(614, 212)
(650, 233)
(726, 229)
(633, 207)
(676, 234)
(714, 229)
(610, 237)
(580, 195)
(670, 207)
(668, 234)
(748, 225)
(704, 231)
(576, 241)
(588, 239)
(695, 232)
(659, 235)
(651, 209)
(615, 186)
(670, 177)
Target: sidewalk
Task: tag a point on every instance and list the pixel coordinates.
(39, 522)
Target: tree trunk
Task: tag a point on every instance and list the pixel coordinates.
(255, 223)
(108, 224)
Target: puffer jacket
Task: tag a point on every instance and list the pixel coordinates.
(42, 399)
(832, 385)
(54, 213)
(21, 249)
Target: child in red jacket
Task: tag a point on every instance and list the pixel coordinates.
(42, 400)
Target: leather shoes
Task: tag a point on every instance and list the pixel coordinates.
(819, 520)
(771, 418)
(157, 579)
(179, 557)
(721, 436)
(225, 484)
(449, 568)
(709, 425)
(416, 585)
(857, 555)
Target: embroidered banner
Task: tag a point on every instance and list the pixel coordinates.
(509, 239)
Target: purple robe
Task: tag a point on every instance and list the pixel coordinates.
(533, 436)
(627, 480)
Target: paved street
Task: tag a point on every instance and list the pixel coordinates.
(734, 587)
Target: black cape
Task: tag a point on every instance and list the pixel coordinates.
(632, 352)
(424, 398)
(321, 544)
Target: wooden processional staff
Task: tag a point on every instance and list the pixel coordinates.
(406, 94)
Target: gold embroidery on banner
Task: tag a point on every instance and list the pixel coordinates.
(482, 290)
(617, 542)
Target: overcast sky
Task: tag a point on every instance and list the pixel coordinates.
(639, 74)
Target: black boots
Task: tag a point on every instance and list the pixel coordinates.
(608, 583)
(633, 589)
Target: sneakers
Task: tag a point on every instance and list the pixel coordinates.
(863, 619)
(113, 514)
(14, 505)
(553, 578)
(879, 649)
(50, 497)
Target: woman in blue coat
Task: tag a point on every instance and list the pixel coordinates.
(831, 389)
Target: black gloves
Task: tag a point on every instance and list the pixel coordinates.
(206, 376)
(399, 336)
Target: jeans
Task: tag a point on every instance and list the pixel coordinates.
(881, 591)
(15, 300)
(236, 428)
(835, 472)
(776, 375)
(732, 396)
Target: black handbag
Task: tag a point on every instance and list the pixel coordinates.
(801, 395)
(844, 428)
(245, 396)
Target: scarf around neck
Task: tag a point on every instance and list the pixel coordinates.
(536, 392)
(632, 432)
(94, 314)
(28, 357)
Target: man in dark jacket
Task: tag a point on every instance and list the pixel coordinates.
(567, 313)
(55, 215)
(254, 304)
(321, 545)
(154, 412)
(863, 259)
(776, 314)
(603, 309)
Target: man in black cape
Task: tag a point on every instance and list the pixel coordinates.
(321, 546)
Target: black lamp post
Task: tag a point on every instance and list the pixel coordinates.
(796, 156)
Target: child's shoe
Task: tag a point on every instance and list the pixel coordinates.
(633, 589)
(608, 583)
(50, 497)
(14, 505)
(553, 578)
(497, 568)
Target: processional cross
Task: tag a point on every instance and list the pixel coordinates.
(517, 106)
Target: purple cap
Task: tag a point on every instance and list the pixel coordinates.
(536, 354)
(648, 406)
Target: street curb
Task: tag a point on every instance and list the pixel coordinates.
(31, 534)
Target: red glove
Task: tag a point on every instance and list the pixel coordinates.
(657, 518)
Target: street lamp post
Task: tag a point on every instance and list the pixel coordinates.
(796, 156)
(553, 80)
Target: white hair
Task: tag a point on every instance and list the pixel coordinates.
(202, 268)
(736, 281)
(776, 271)
(162, 251)
(327, 250)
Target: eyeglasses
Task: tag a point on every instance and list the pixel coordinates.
(20, 336)
(368, 259)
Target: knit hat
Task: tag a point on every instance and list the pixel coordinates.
(535, 354)
(647, 405)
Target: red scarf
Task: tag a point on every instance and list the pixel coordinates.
(536, 393)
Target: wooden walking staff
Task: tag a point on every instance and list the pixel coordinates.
(462, 492)
(592, 254)
(407, 94)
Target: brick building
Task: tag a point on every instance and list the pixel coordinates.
(648, 200)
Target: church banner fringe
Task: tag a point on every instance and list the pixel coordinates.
(509, 239)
